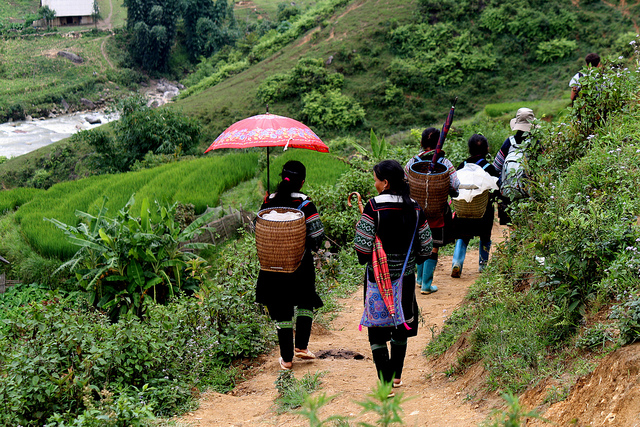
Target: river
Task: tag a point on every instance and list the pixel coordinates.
(21, 137)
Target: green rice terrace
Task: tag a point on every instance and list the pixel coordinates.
(128, 259)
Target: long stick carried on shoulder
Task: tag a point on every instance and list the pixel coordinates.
(445, 129)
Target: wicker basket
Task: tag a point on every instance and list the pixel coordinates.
(429, 189)
(280, 244)
(473, 209)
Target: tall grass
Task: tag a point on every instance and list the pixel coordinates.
(322, 168)
(13, 199)
(199, 182)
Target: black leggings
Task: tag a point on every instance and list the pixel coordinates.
(388, 368)
(283, 316)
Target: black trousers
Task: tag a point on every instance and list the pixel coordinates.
(389, 366)
(283, 316)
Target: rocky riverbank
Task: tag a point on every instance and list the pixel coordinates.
(21, 137)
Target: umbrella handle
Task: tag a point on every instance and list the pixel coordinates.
(355, 193)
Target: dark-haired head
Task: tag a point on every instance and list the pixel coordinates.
(392, 172)
(592, 59)
(430, 138)
(293, 175)
(478, 145)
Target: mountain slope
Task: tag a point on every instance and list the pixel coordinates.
(404, 62)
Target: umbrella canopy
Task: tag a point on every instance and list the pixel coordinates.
(268, 130)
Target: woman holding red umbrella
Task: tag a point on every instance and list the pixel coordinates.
(403, 231)
(283, 293)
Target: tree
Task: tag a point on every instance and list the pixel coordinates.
(209, 25)
(139, 131)
(153, 24)
(47, 14)
(95, 13)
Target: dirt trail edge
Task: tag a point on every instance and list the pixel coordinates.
(433, 400)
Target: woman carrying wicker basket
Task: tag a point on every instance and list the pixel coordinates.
(466, 228)
(281, 292)
(440, 222)
(391, 235)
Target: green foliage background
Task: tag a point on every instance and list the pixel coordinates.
(570, 261)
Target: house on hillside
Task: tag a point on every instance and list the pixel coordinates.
(70, 12)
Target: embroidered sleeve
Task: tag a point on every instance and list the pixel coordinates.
(454, 182)
(365, 232)
(315, 228)
(498, 162)
(424, 235)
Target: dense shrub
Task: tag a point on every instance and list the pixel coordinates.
(438, 53)
(307, 75)
(555, 49)
(125, 261)
(139, 131)
(61, 360)
(338, 218)
(332, 109)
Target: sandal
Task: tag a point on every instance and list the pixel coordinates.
(282, 365)
(304, 354)
(396, 385)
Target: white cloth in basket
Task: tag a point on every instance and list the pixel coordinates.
(474, 181)
(284, 216)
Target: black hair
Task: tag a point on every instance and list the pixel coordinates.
(478, 145)
(430, 138)
(592, 59)
(293, 175)
(393, 172)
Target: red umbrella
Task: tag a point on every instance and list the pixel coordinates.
(268, 130)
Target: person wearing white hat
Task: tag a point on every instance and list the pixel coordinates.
(521, 123)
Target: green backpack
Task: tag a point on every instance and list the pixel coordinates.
(513, 175)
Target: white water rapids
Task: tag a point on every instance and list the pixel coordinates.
(21, 137)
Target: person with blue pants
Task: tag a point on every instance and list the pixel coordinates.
(440, 225)
(466, 228)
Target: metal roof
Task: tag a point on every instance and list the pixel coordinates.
(69, 7)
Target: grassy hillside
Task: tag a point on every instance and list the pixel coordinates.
(395, 66)
(17, 9)
(35, 81)
(357, 27)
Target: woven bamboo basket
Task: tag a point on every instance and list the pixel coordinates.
(473, 209)
(429, 189)
(280, 244)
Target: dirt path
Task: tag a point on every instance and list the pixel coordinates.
(106, 25)
(434, 400)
